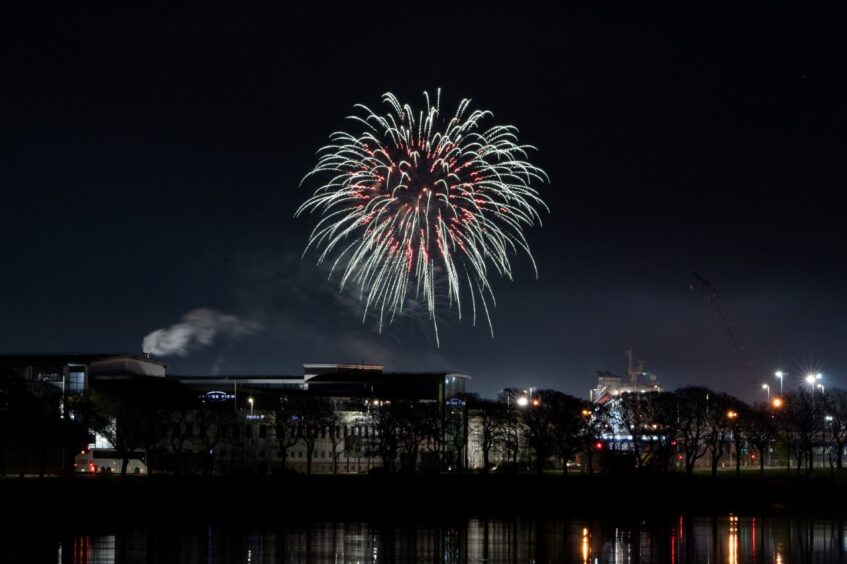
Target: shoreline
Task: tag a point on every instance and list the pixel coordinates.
(125, 502)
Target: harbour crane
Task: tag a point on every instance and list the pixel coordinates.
(727, 323)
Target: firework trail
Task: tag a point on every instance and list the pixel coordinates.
(415, 202)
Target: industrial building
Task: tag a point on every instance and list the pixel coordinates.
(231, 423)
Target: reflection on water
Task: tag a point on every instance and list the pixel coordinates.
(727, 538)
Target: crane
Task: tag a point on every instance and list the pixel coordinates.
(728, 326)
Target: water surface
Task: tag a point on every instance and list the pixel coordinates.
(682, 539)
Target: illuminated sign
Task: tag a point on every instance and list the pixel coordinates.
(217, 395)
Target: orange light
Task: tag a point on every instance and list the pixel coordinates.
(776, 403)
(536, 402)
(585, 413)
(731, 414)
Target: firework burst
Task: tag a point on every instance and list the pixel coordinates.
(416, 205)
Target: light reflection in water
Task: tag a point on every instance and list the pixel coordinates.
(733, 540)
(730, 538)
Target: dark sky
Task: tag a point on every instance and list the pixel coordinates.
(150, 162)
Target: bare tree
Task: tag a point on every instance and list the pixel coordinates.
(760, 430)
(456, 432)
(720, 416)
(593, 422)
(662, 420)
(387, 427)
(513, 430)
(544, 427)
(692, 424)
(314, 415)
(738, 414)
(415, 425)
(836, 411)
(285, 424)
(179, 424)
(802, 421)
(492, 419)
(634, 416)
(212, 424)
(336, 439)
(116, 419)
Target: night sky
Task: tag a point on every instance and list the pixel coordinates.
(150, 162)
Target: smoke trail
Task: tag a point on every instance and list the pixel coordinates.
(198, 329)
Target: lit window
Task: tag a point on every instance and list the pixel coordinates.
(76, 382)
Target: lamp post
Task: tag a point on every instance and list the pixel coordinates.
(768, 389)
(250, 401)
(810, 380)
(779, 374)
(732, 416)
(828, 419)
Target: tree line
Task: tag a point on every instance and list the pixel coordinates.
(664, 431)
(545, 431)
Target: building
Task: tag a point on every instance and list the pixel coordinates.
(355, 392)
(239, 422)
(636, 380)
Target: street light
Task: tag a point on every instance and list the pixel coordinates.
(250, 401)
(779, 374)
(768, 388)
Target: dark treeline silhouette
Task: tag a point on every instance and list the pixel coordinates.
(542, 431)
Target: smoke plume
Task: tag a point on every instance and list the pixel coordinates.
(198, 329)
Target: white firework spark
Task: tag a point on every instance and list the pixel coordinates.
(414, 202)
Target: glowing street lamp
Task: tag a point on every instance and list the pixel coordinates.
(250, 401)
(813, 380)
(779, 374)
(776, 403)
(768, 388)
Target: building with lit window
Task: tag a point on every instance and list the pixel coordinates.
(229, 423)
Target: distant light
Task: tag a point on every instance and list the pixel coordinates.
(765, 386)
(523, 401)
(776, 403)
(536, 402)
(810, 378)
(779, 373)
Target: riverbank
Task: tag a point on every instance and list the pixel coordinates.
(296, 498)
